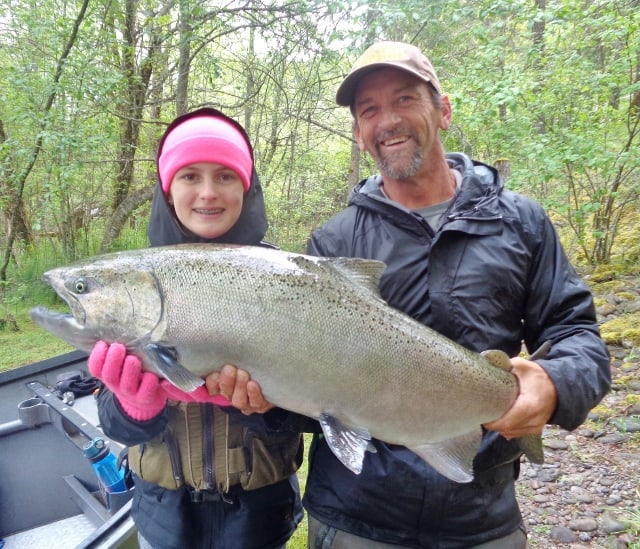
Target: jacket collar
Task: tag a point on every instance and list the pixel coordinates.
(477, 198)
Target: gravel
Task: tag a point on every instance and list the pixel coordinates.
(586, 494)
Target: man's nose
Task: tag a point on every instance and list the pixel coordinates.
(389, 118)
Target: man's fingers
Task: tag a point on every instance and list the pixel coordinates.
(227, 381)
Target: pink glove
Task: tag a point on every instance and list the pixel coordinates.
(199, 395)
(138, 392)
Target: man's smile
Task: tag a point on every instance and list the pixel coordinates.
(394, 140)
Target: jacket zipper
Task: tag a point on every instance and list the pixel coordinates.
(208, 449)
(174, 457)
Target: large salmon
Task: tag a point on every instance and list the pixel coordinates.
(313, 332)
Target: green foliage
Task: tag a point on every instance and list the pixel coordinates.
(550, 90)
(306, 200)
(631, 518)
(30, 344)
(21, 340)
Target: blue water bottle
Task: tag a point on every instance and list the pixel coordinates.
(105, 465)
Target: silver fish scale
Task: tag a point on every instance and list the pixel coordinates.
(311, 331)
(276, 320)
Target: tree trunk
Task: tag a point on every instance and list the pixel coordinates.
(354, 166)
(131, 109)
(17, 219)
(184, 62)
(133, 201)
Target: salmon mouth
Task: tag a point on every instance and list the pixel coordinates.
(65, 326)
(77, 310)
(70, 327)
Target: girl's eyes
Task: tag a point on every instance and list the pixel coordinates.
(186, 175)
(220, 176)
(228, 176)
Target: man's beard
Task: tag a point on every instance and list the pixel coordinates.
(399, 166)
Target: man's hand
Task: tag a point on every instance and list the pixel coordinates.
(534, 406)
(237, 386)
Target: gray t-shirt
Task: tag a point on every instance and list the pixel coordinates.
(434, 214)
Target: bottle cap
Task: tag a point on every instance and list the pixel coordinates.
(93, 448)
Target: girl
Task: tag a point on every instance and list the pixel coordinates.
(205, 474)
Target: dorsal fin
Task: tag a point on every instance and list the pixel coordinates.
(364, 272)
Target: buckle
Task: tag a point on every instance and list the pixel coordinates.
(204, 496)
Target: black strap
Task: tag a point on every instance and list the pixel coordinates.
(204, 496)
(78, 383)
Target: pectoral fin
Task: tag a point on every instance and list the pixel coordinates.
(348, 445)
(165, 362)
(452, 458)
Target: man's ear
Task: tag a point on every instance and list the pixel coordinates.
(445, 120)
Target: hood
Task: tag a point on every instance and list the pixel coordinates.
(480, 189)
(164, 227)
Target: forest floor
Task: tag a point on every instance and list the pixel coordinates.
(587, 493)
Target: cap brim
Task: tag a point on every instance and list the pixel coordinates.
(347, 90)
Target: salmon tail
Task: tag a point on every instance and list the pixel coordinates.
(531, 445)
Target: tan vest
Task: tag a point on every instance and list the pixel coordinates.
(208, 449)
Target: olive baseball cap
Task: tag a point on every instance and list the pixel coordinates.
(399, 55)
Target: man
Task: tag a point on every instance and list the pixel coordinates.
(479, 264)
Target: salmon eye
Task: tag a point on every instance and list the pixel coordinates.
(80, 285)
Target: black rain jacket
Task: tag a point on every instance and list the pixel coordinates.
(492, 276)
(253, 519)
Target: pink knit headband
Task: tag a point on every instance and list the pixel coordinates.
(205, 139)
